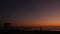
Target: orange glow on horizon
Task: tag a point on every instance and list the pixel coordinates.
(38, 24)
(51, 21)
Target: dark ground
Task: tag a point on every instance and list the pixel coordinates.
(29, 32)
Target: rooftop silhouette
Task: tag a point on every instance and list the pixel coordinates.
(6, 25)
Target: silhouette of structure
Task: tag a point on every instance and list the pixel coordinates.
(6, 25)
(8, 28)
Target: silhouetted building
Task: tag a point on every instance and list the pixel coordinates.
(40, 28)
(17, 29)
(6, 25)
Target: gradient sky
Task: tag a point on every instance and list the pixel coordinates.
(30, 12)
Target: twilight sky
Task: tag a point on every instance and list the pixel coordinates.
(30, 12)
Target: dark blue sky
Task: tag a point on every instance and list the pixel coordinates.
(36, 11)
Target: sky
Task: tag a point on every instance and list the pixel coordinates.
(30, 12)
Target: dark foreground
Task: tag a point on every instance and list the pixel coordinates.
(28, 32)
